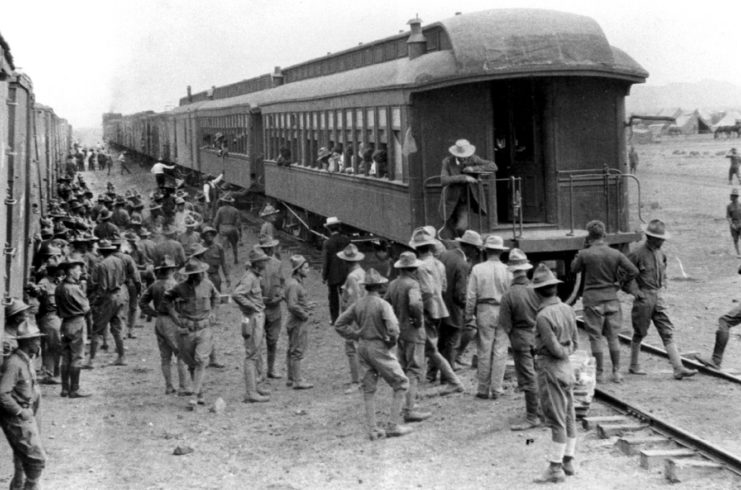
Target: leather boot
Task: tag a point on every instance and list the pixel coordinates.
(531, 408)
(298, 381)
(354, 368)
(615, 358)
(121, 360)
(553, 474)
(721, 340)
(289, 372)
(568, 465)
(93, 351)
(250, 384)
(599, 359)
(679, 370)
(18, 476)
(395, 428)
(374, 432)
(74, 389)
(65, 381)
(635, 366)
(410, 414)
(271, 365)
(167, 374)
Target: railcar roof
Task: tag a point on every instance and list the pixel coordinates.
(492, 44)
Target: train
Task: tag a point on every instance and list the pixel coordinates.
(541, 93)
(34, 143)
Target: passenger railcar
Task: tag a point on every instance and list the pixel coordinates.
(539, 92)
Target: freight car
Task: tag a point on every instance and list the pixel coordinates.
(539, 92)
(33, 144)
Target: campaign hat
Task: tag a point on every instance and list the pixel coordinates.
(144, 232)
(407, 260)
(196, 249)
(194, 267)
(257, 255)
(167, 262)
(296, 262)
(106, 244)
(71, 261)
(131, 236)
(227, 198)
(268, 210)
(28, 330)
(494, 242)
(657, 229)
(462, 149)
(351, 253)
(543, 277)
(332, 220)
(15, 306)
(471, 238)
(105, 215)
(518, 261)
(734, 192)
(372, 277)
(267, 241)
(208, 229)
(421, 237)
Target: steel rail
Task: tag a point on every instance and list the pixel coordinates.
(667, 429)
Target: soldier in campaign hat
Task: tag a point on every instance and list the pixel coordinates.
(272, 284)
(299, 310)
(733, 216)
(334, 269)
(351, 291)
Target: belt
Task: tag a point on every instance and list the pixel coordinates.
(487, 301)
(194, 325)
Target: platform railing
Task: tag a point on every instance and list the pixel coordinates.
(609, 178)
(487, 200)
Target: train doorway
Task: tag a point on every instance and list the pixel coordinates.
(518, 151)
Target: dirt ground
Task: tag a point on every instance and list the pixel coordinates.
(124, 436)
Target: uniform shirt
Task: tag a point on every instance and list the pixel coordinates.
(267, 228)
(456, 275)
(487, 283)
(555, 335)
(159, 168)
(47, 298)
(108, 275)
(248, 294)
(169, 247)
(190, 237)
(156, 294)
(71, 299)
(733, 213)
(651, 265)
(214, 257)
(296, 302)
(406, 299)
(334, 269)
(352, 290)
(272, 284)
(375, 318)
(227, 216)
(517, 312)
(132, 277)
(146, 248)
(432, 284)
(603, 269)
(120, 218)
(106, 230)
(18, 386)
(193, 302)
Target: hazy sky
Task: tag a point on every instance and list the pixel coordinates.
(87, 57)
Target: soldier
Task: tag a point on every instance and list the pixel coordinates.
(164, 327)
(20, 397)
(109, 300)
(377, 332)
(517, 312)
(334, 271)
(105, 228)
(190, 304)
(299, 310)
(169, 247)
(603, 270)
(555, 340)
(406, 299)
(120, 216)
(733, 216)
(487, 283)
(248, 296)
(16, 312)
(648, 305)
(272, 285)
(269, 214)
(133, 285)
(50, 324)
(190, 236)
(228, 222)
(432, 283)
(72, 307)
(350, 292)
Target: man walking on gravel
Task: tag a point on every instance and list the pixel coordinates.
(735, 166)
(299, 309)
(334, 270)
(733, 216)
(603, 270)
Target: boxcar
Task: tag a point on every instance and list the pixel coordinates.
(539, 92)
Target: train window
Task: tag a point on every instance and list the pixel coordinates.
(330, 122)
(382, 117)
(314, 118)
(390, 49)
(323, 119)
(371, 118)
(378, 54)
(396, 117)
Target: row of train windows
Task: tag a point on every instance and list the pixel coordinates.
(361, 141)
(225, 133)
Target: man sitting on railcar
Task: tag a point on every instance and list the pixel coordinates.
(456, 174)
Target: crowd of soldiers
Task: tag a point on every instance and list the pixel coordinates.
(407, 320)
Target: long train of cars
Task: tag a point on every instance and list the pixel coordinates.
(539, 92)
(34, 142)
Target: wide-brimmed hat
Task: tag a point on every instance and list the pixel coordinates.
(179, 200)
(144, 232)
(167, 262)
(75, 205)
(332, 220)
(106, 244)
(194, 267)
(208, 229)
(543, 277)
(494, 242)
(169, 230)
(120, 201)
(227, 198)
(28, 330)
(372, 276)
(131, 236)
(257, 255)
(104, 215)
(190, 222)
(137, 203)
(323, 153)
(135, 220)
(196, 249)
(734, 192)
(462, 149)
(267, 241)
(47, 232)
(420, 237)
(181, 193)
(15, 306)
(71, 262)
(296, 262)
(155, 206)
(657, 229)
(268, 210)
(407, 260)
(351, 253)
(518, 261)
(471, 238)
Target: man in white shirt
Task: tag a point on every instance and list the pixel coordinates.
(211, 196)
(158, 169)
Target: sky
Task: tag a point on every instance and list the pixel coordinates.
(88, 57)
